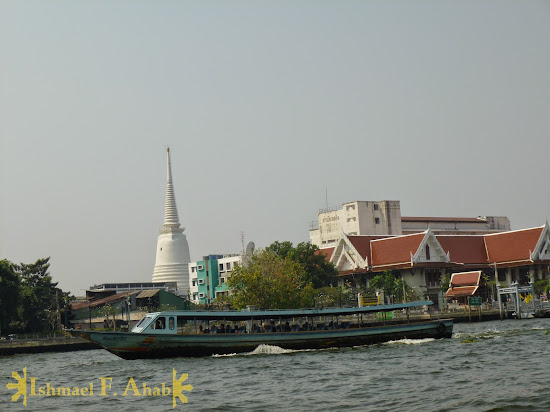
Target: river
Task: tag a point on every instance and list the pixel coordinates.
(488, 366)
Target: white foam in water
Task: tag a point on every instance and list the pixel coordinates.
(224, 356)
(269, 350)
(410, 341)
(266, 350)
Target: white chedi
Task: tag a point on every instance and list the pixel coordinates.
(173, 257)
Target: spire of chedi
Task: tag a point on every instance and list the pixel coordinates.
(172, 248)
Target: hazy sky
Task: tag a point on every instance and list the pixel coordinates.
(443, 105)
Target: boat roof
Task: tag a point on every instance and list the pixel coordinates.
(287, 313)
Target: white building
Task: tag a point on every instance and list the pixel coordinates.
(383, 218)
(357, 218)
(173, 257)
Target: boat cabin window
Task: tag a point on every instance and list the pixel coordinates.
(143, 321)
(171, 322)
(160, 323)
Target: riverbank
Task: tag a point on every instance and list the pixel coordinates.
(57, 344)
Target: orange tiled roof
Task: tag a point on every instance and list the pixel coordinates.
(464, 284)
(327, 252)
(395, 250)
(513, 246)
(464, 249)
(461, 291)
(466, 278)
(363, 244)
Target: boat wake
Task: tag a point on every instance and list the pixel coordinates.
(497, 334)
(264, 350)
(269, 350)
(409, 341)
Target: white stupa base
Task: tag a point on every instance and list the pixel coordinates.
(178, 273)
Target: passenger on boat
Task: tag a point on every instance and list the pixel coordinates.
(221, 329)
(159, 324)
(287, 327)
(200, 329)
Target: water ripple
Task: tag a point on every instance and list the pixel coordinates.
(505, 368)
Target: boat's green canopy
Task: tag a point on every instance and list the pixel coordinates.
(288, 313)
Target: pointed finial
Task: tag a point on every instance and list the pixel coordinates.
(171, 212)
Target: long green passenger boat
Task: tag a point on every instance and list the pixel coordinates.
(204, 333)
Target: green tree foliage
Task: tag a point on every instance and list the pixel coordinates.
(317, 270)
(392, 287)
(331, 296)
(445, 281)
(541, 286)
(38, 297)
(9, 293)
(270, 281)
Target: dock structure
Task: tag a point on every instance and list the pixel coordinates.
(515, 289)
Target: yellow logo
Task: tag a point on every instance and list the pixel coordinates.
(105, 386)
(21, 386)
(177, 388)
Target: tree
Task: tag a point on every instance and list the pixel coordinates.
(393, 287)
(270, 281)
(316, 268)
(444, 282)
(38, 295)
(541, 286)
(9, 294)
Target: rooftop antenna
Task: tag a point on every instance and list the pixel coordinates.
(242, 240)
(326, 196)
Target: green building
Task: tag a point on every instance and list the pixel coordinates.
(208, 277)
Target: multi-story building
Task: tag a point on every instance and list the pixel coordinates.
(356, 218)
(208, 277)
(383, 218)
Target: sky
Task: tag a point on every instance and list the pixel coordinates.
(272, 111)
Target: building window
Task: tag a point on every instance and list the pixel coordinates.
(194, 282)
(375, 206)
(427, 252)
(201, 295)
(222, 280)
(377, 220)
(193, 269)
(228, 265)
(221, 266)
(201, 281)
(200, 267)
(433, 278)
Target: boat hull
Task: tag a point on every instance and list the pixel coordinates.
(148, 345)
